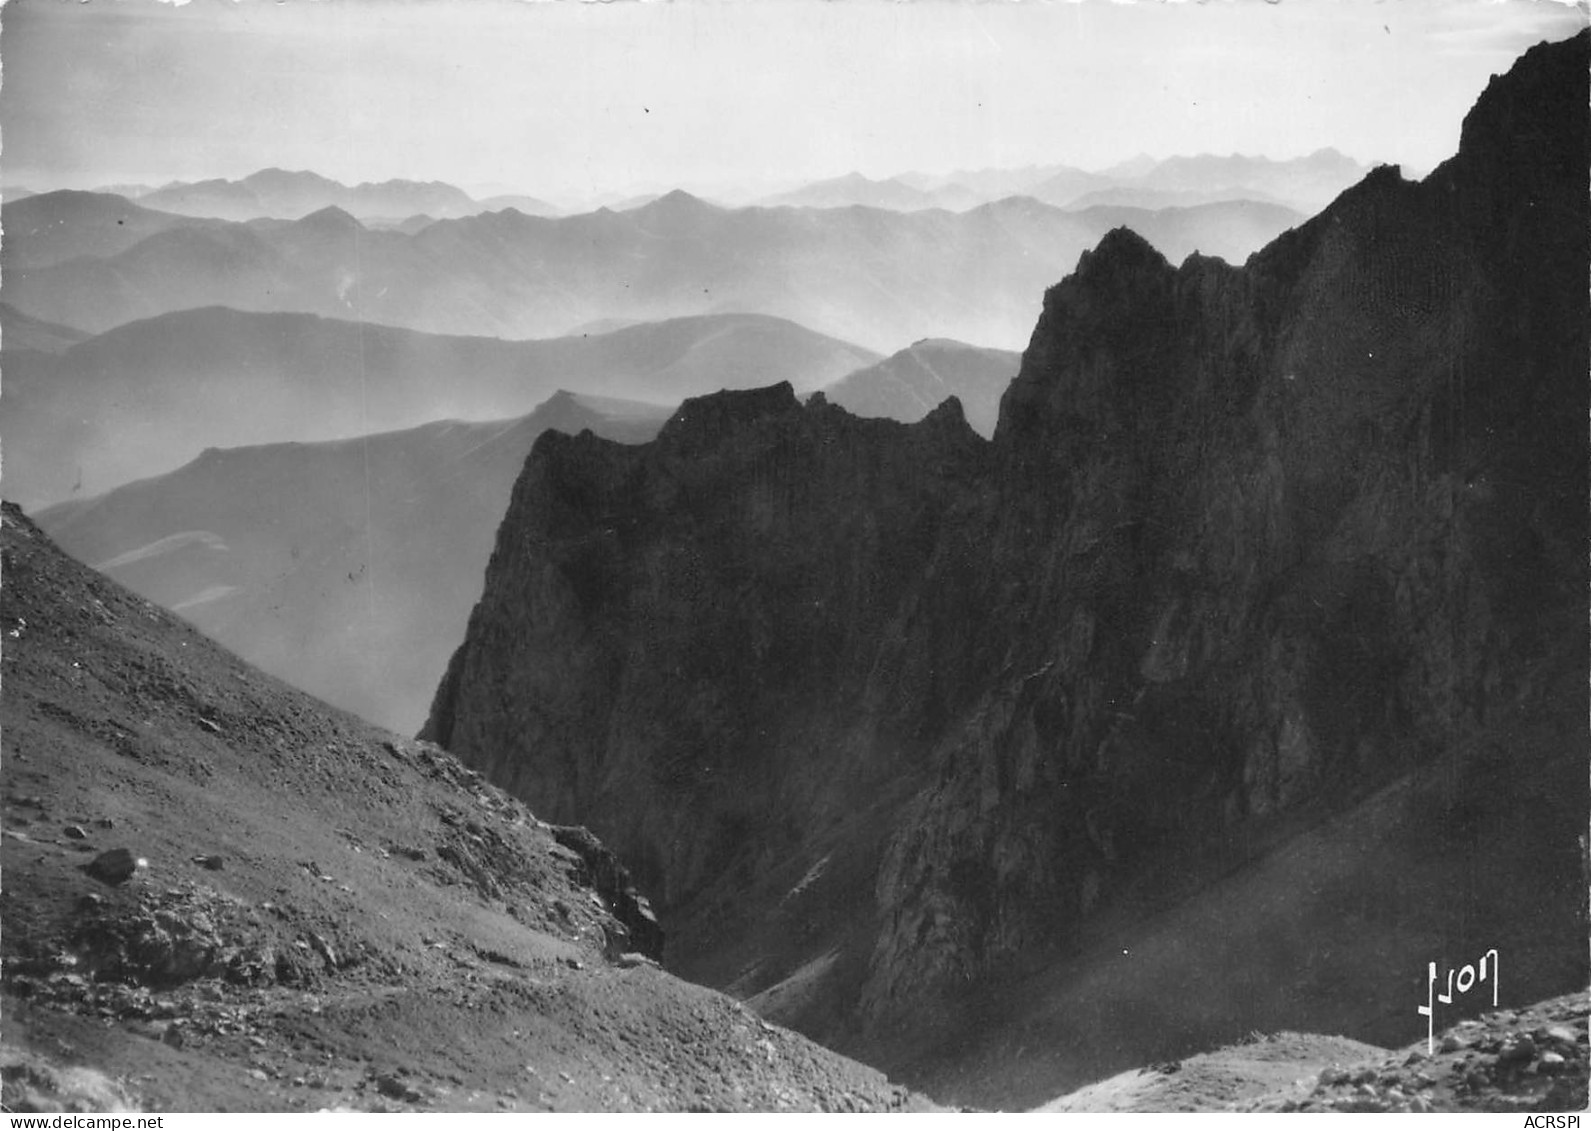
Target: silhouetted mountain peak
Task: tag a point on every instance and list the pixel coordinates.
(707, 420)
(1121, 251)
(676, 203)
(1505, 135)
(1379, 183)
(949, 416)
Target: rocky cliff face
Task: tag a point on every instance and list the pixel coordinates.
(875, 709)
(715, 600)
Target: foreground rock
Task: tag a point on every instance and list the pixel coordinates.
(388, 931)
(114, 867)
(1526, 1060)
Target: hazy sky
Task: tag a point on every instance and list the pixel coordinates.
(564, 99)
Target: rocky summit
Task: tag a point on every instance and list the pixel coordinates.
(1239, 676)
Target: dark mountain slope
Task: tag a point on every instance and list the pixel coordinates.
(1252, 548)
(908, 385)
(146, 397)
(314, 914)
(347, 568)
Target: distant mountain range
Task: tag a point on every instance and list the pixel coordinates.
(866, 275)
(1304, 184)
(896, 194)
(280, 194)
(347, 568)
(988, 184)
(1225, 229)
(45, 229)
(148, 396)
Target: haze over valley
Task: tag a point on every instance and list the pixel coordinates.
(806, 557)
(876, 277)
(215, 377)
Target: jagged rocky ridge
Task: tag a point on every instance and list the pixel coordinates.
(872, 709)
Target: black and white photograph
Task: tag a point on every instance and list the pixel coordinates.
(814, 556)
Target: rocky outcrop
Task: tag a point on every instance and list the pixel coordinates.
(714, 600)
(636, 930)
(1248, 544)
(1526, 1060)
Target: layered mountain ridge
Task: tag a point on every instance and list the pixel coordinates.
(347, 567)
(71, 424)
(1306, 183)
(869, 275)
(279, 193)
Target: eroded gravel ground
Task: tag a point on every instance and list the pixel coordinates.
(1527, 1060)
(222, 895)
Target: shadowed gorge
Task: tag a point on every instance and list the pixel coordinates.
(1286, 557)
